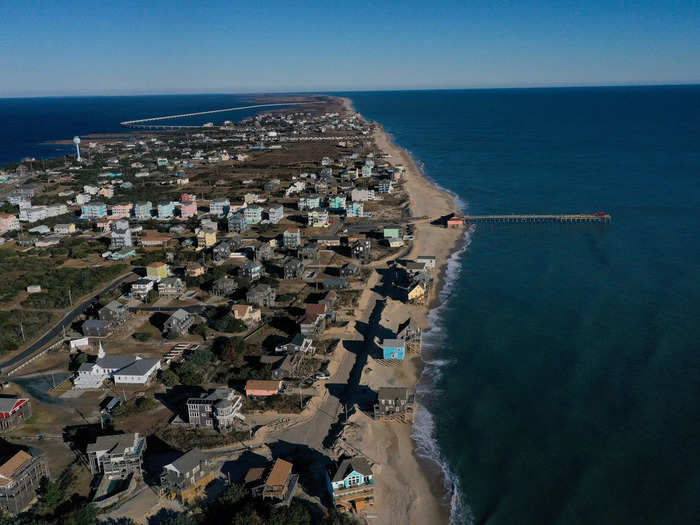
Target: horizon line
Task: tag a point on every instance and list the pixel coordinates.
(331, 92)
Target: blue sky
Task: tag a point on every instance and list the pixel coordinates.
(124, 47)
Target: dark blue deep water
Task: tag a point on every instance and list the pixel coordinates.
(565, 378)
(28, 125)
(564, 364)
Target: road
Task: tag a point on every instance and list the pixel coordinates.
(65, 322)
(343, 385)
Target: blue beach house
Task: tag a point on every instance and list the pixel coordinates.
(352, 485)
(394, 349)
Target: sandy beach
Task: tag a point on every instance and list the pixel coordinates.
(409, 489)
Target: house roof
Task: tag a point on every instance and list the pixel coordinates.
(138, 368)
(12, 465)
(262, 384)
(279, 474)
(8, 404)
(188, 461)
(393, 343)
(180, 314)
(394, 392)
(350, 465)
(254, 474)
(114, 362)
(118, 442)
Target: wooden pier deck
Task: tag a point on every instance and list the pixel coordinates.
(578, 217)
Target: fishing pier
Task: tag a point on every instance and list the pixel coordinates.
(463, 220)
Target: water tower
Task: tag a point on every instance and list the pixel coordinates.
(76, 141)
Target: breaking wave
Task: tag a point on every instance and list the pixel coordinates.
(424, 424)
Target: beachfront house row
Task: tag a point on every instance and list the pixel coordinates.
(253, 214)
(157, 270)
(96, 328)
(427, 260)
(188, 209)
(308, 252)
(120, 211)
(219, 207)
(395, 403)
(262, 387)
(206, 238)
(352, 485)
(223, 250)
(166, 210)
(178, 323)
(309, 202)
(384, 186)
(195, 270)
(20, 478)
(237, 224)
(142, 210)
(121, 238)
(114, 313)
(141, 287)
(251, 271)
(337, 202)
(171, 287)
(354, 209)
(291, 238)
(275, 482)
(293, 269)
(298, 345)
(393, 349)
(247, 314)
(318, 218)
(117, 456)
(217, 410)
(64, 229)
(276, 214)
(93, 210)
(313, 323)
(361, 194)
(224, 286)
(8, 222)
(262, 295)
(360, 249)
(186, 478)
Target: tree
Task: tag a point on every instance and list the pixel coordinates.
(230, 349)
(142, 336)
(189, 374)
(169, 378)
(51, 495)
(201, 329)
(201, 357)
(151, 297)
(83, 515)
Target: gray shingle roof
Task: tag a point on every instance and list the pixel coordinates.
(188, 460)
(349, 465)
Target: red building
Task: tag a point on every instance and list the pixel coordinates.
(12, 411)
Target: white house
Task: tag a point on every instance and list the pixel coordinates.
(123, 369)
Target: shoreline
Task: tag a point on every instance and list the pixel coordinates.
(433, 493)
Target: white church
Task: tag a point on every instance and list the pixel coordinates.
(122, 369)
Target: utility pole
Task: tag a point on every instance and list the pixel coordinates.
(70, 298)
(21, 328)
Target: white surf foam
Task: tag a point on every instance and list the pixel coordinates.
(424, 424)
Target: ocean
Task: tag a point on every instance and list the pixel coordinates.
(563, 371)
(563, 377)
(28, 126)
